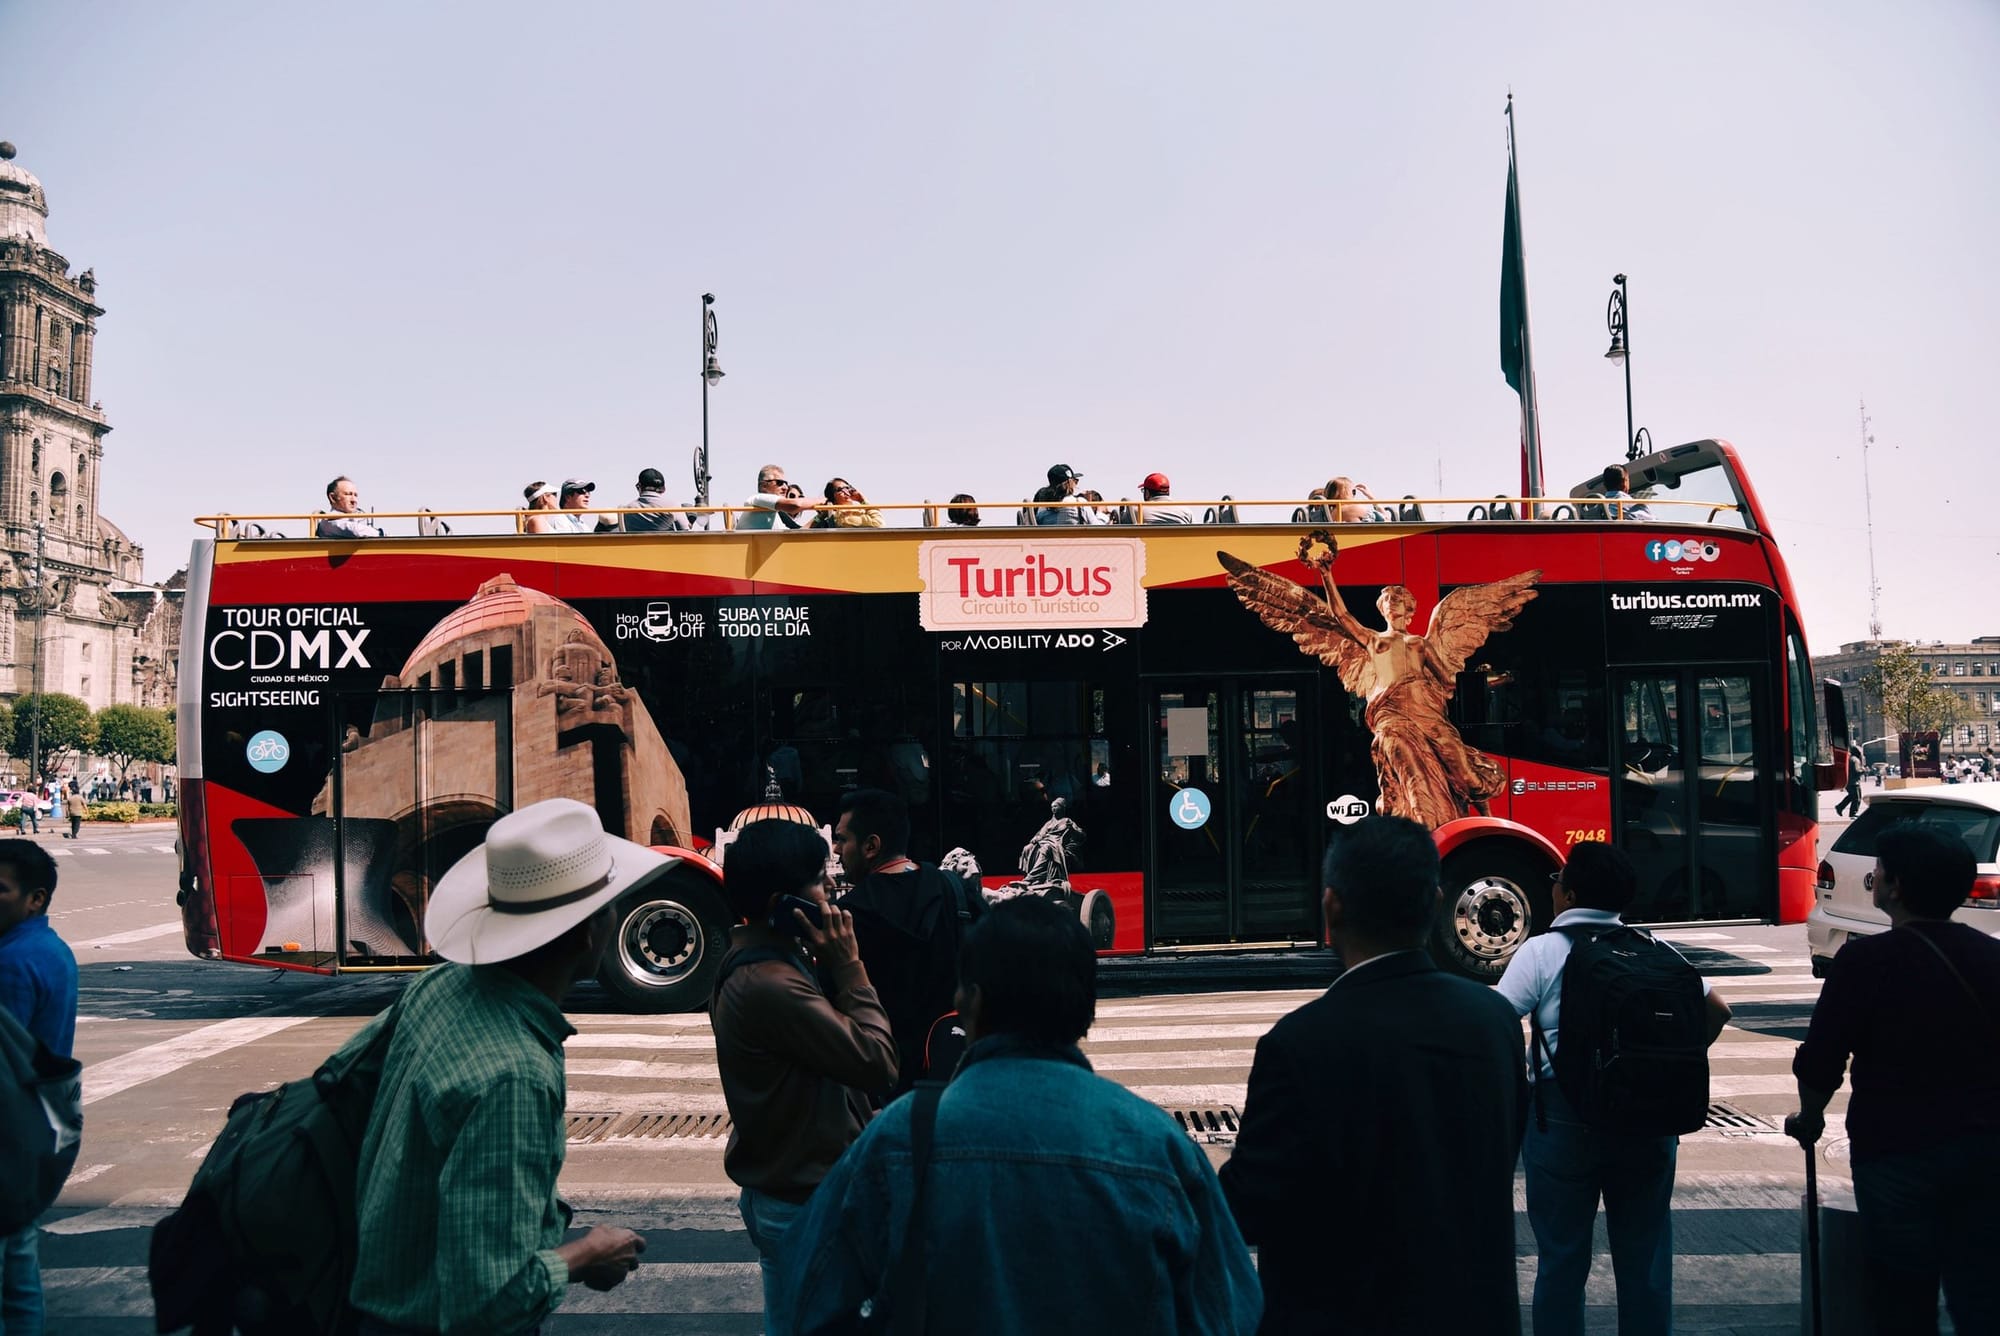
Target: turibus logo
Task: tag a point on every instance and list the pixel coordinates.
(996, 585)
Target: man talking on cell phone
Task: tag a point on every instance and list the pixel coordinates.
(795, 1057)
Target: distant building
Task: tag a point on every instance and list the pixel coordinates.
(1971, 671)
(98, 630)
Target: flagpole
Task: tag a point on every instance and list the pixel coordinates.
(1531, 427)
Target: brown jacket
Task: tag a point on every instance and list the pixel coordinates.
(793, 1063)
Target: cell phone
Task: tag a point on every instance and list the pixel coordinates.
(784, 920)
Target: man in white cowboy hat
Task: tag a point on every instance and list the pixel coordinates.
(459, 1223)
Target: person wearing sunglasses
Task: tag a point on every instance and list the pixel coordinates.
(846, 508)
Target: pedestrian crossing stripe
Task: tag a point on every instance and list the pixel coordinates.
(711, 1288)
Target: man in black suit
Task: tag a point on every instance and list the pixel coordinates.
(1375, 1165)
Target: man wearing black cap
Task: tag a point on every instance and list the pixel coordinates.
(1156, 488)
(1048, 501)
(656, 519)
(576, 495)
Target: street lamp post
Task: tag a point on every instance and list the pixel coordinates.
(41, 618)
(1620, 352)
(711, 372)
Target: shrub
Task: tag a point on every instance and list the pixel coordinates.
(11, 818)
(112, 811)
(158, 809)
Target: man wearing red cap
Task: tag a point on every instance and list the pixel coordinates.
(1156, 488)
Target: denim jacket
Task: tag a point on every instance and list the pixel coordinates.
(1058, 1201)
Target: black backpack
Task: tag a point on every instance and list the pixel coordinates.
(1634, 1054)
(266, 1238)
(41, 1124)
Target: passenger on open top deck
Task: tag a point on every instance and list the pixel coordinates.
(1056, 503)
(347, 521)
(846, 508)
(776, 504)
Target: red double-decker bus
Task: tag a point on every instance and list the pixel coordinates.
(1159, 724)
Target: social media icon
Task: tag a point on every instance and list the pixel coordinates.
(1655, 550)
(1673, 549)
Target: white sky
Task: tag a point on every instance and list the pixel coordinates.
(452, 248)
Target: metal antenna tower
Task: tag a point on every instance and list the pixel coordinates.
(1868, 514)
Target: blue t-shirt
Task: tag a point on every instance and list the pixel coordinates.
(38, 983)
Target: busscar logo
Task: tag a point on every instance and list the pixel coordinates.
(1521, 786)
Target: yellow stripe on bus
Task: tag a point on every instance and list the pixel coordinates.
(860, 561)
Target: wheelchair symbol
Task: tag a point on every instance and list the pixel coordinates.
(1189, 809)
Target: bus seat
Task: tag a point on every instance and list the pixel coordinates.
(1410, 509)
(1225, 513)
(1299, 516)
(1501, 509)
(430, 526)
(1025, 517)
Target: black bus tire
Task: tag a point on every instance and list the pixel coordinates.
(1496, 896)
(667, 944)
(1100, 920)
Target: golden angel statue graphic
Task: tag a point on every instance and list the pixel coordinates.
(1426, 771)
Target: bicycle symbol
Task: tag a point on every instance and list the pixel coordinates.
(268, 751)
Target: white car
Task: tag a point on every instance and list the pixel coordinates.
(1845, 908)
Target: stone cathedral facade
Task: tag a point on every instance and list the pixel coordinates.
(99, 631)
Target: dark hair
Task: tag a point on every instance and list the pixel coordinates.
(31, 865)
(964, 509)
(831, 483)
(1598, 876)
(1616, 478)
(335, 483)
(767, 858)
(879, 813)
(1035, 969)
(1932, 870)
(1385, 870)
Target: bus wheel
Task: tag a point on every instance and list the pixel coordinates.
(1495, 898)
(1099, 919)
(668, 945)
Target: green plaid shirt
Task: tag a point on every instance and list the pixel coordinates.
(457, 1208)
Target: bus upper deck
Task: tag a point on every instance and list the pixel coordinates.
(1159, 724)
(1698, 483)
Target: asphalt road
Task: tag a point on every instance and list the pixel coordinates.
(169, 1041)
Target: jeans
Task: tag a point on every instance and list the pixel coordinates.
(767, 1218)
(20, 1284)
(1927, 1216)
(1568, 1168)
(32, 817)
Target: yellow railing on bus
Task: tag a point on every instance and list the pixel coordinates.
(930, 514)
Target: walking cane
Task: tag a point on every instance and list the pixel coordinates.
(1812, 1238)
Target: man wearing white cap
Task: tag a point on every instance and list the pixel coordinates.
(460, 1228)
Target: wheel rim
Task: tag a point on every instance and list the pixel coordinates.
(660, 943)
(1491, 918)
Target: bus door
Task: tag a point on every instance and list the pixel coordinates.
(1696, 769)
(1233, 823)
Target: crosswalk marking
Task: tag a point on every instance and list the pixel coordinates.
(722, 1276)
(1184, 1051)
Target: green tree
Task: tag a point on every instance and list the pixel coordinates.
(66, 729)
(129, 734)
(1912, 702)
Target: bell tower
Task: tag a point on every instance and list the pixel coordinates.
(74, 612)
(51, 431)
